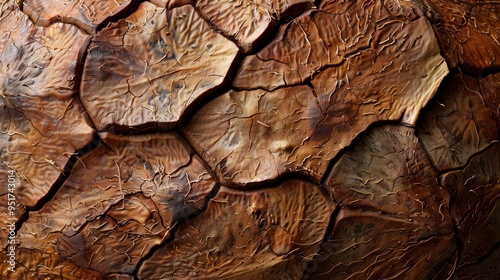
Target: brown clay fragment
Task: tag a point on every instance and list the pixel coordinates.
(86, 14)
(255, 135)
(42, 124)
(393, 212)
(249, 22)
(267, 233)
(120, 200)
(475, 210)
(468, 32)
(462, 120)
(145, 71)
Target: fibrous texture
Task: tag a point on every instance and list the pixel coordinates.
(274, 139)
(137, 189)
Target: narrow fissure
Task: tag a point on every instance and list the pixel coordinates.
(96, 140)
(174, 229)
(313, 264)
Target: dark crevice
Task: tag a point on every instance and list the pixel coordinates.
(444, 171)
(144, 128)
(486, 72)
(331, 224)
(173, 230)
(271, 32)
(78, 80)
(194, 106)
(354, 141)
(484, 257)
(96, 140)
(313, 264)
(332, 164)
(124, 13)
(192, 151)
(88, 29)
(460, 247)
(475, 73)
(460, 69)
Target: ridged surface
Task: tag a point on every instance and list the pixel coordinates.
(287, 139)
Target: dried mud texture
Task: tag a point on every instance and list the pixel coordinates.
(51, 266)
(42, 124)
(393, 212)
(328, 36)
(290, 139)
(146, 71)
(86, 14)
(135, 189)
(462, 120)
(248, 22)
(267, 234)
(257, 135)
(476, 212)
(468, 32)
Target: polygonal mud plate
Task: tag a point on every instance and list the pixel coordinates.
(146, 71)
(269, 233)
(42, 124)
(121, 200)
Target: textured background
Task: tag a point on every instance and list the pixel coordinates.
(273, 139)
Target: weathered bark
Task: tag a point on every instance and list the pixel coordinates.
(297, 139)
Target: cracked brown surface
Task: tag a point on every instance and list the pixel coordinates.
(87, 14)
(289, 139)
(42, 121)
(462, 120)
(394, 214)
(151, 67)
(269, 233)
(141, 187)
